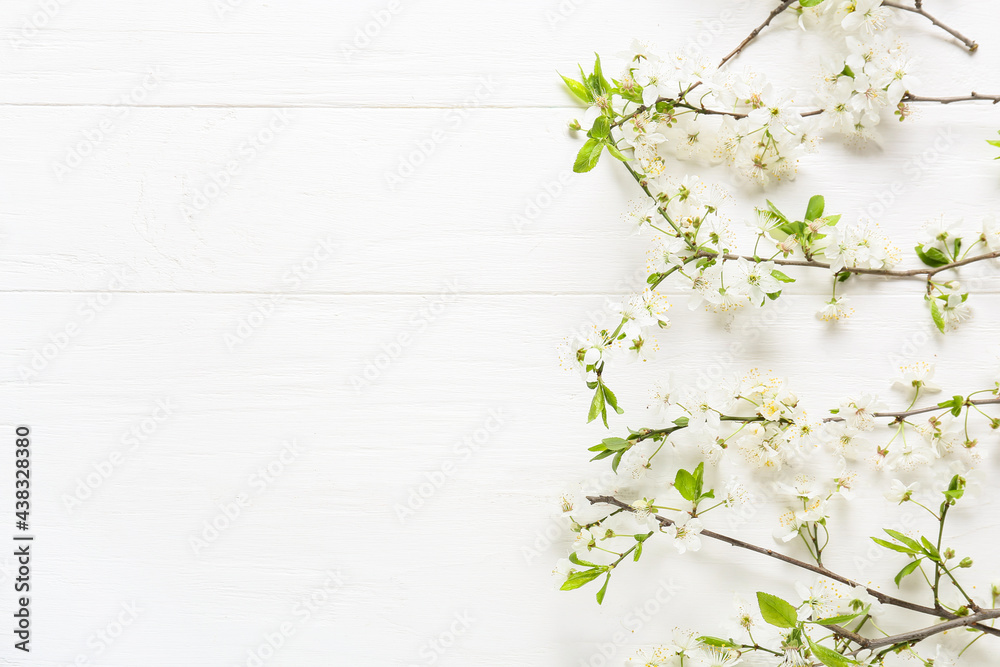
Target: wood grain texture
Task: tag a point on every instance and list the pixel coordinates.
(222, 316)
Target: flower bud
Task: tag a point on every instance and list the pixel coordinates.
(966, 562)
(949, 554)
(575, 125)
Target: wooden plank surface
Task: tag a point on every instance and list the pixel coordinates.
(293, 403)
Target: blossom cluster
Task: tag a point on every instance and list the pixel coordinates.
(675, 106)
(715, 450)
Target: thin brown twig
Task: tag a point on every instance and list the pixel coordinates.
(878, 595)
(900, 416)
(919, 9)
(785, 4)
(914, 636)
(679, 101)
(974, 97)
(892, 273)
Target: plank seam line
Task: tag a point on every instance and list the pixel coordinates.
(395, 107)
(427, 293)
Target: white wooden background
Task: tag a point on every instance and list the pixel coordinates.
(222, 316)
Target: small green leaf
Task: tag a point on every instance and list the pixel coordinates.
(781, 277)
(776, 611)
(599, 74)
(932, 257)
(906, 571)
(578, 89)
(604, 589)
(615, 444)
(588, 156)
(617, 460)
(686, 485)
(597, 405)
(612, 400)
(615, 153)
(937, 316)
(816, 206)
(775, 211)
(956, 489)
(577, 579)
(930, 549)
(905, 539)
(895, 547)
(716, 641)
(601, 128)
(828, 656)
(837, 620)
(699, 479)
(576, 560)
(809, 3)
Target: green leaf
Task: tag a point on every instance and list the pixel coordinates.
(576, 560)
(931, 256)
(577, 579)
(615, 153)
(686, 485)
(776, 212)
(617, 460)
(699, 479)
(895, 547)
(930, 550)
(716, 641)
(837, 620)
(605, 86)
(776, 611)
(828, 656)
(816, 205)
(612, 400)
(578, 89)
(616, 444)
(956, 489)
(900, 537)
(809, 3)
(604, 589)
(781, 277)
(956, 403)
(937, 316)
(588, 156)
(906, 571)
(601, 128)
(597, 405)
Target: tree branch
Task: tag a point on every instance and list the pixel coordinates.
(785, 4)
(878, 595)
(919, 9)
(974, 97)
(900, 416)
(907, 273)
(919, 635)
